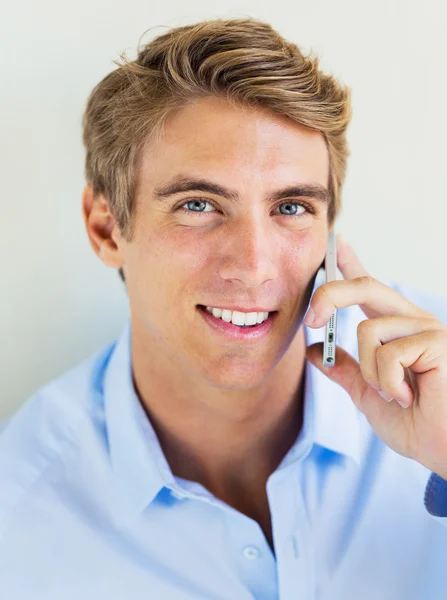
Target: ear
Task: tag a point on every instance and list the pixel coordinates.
(102, 230)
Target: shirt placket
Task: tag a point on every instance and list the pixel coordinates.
(294, 548)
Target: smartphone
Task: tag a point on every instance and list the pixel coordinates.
(330, 338)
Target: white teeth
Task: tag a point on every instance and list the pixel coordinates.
(262, 316)
(251, 318)
(238, 318)
(226, 316)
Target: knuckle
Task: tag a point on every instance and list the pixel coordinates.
(364, 328)
(321, 296)
(365, 281)
(384, 352)
(439, 335)
(317, 294)
(322, 291)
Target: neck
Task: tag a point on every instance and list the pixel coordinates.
(205, 435)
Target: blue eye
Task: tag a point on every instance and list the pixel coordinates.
(291, 204)
(199, 203)
(195, 202)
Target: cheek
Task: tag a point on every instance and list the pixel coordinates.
(303, 256)
(301, 264)
(171, 259)
(164, 274)
(184, 253)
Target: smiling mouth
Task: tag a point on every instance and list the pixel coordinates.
(231, 328)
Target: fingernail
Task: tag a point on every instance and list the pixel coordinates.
(403, 404)
(385, 396)
(310, 317)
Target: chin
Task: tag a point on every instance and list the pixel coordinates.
(236, 374)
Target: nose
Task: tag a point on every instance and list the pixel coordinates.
(251, 252)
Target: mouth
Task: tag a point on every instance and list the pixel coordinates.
(238, 332)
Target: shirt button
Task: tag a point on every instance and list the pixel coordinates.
(251, 552)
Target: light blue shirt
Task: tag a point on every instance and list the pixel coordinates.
(90, 509)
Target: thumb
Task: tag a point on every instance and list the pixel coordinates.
(346, 371)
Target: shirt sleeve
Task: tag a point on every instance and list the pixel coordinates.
(435, 498)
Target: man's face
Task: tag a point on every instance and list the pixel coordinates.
(247, 250)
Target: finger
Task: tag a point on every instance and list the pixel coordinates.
(421, 353)
(347, 260)
(346, 373)
(372, 334)
(374, 297)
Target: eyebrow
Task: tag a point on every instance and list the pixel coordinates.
(186, 184)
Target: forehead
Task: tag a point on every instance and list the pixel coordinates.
(213, 136)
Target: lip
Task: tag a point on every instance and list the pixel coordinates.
(244, 310)
(234, 332)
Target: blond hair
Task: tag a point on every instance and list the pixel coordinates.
(244, 61)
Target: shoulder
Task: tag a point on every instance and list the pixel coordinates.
(36, 437)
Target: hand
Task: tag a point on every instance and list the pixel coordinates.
(402, 351)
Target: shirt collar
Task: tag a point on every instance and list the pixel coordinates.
(333, 415)
(139, 465)
(140, 468)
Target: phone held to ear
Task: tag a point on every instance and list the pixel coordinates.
(330, 338)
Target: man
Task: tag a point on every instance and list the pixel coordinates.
(201, 456)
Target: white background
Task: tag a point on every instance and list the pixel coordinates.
(58, 302)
